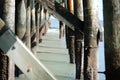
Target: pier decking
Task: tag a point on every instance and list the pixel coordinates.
(53, 54)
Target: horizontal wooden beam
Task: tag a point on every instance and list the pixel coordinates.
(63, 14)
(23, 57)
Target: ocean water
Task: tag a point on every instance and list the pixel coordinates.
(101, 60)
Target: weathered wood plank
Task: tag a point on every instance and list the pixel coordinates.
(24, 58)
(63, 14)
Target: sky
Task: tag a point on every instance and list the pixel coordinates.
(100, 6)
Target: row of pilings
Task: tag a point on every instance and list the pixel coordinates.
(29, 21)
(25, 18)
(83, 45)
(83, 48)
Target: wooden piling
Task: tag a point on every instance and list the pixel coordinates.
(28, 24)
(33, 27)
(61, 24)
(43, 18)
(90, 39)
(20, 18)
(70, 6)
(47, 21)
(7, 13)
(112, 38)
(41, 26)
(78, 11)
(37, 23)
(61, 29)
(71, 36)
(66, 36)
(46, 27)
(66, 30)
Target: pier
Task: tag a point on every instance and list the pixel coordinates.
(29, 50)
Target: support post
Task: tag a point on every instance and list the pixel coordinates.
(28, 24)
(47, 21)
(66, 29)
(20, 18)
(61, 29)
(33, 27)
(66, 35)
(112, 38)
(37, 24)
(90, 39)
(62, 24)
(78, 11)
(41, 26)
(71, 36)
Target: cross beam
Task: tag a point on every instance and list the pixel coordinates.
(63, 14)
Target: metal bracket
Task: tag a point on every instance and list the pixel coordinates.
(7, 40)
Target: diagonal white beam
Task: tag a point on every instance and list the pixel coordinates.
(23, 57)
